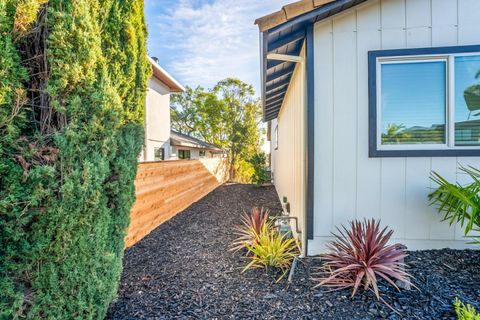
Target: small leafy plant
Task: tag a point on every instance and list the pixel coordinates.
(465, 312)
(259, 164)
(250, 228)
(272, 250)
(360, 256)
(459, 203)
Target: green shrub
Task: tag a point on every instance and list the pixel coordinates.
(72, 89)
(259, 163)
(459, 203)
(465, 312)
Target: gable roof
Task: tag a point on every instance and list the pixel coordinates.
(162, 75)
(285, 32)
(183, 140)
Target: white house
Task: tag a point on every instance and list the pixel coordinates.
(162, 143)
(157, 113)
(185, 147)
(365, 99)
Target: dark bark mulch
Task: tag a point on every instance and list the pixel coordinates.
(183, 270)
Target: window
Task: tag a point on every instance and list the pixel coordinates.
(184, 154)
(202, 154)
(425, 102)
(159, 154)
(276, 137)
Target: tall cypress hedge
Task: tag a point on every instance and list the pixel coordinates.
(73, 77)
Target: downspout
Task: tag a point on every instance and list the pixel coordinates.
(301, 61)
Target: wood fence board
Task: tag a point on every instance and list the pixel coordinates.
(166, 188)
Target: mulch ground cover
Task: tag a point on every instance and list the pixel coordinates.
(183, 270)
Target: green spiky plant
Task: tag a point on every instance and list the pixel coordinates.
(272, 250)
(72, 88)
(459, 204)
(465, 311)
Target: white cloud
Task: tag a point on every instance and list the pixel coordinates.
(212, 40)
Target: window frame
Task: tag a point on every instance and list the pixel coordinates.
(184, 152)
(276, 137)
(162, 152)
(375, 60)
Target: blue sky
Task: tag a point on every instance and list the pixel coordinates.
(203, 41)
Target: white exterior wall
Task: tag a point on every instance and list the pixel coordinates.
(157, 120)
(288, 161)
(349, 184)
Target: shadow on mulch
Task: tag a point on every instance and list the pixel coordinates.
(183, 270)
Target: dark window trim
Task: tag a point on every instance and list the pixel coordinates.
(372, 95)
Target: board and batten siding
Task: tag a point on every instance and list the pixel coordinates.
(288, 161)
(348, 184)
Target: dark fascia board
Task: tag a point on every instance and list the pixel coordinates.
(311, 17)
(372, 96)
(263, 68)
(286, 40)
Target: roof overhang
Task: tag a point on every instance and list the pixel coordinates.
(181, 140)
(283, 33)
(162, 75)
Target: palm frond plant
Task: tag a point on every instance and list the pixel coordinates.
(250, 228)
(360, 256)
(459, 204)
(272, 250)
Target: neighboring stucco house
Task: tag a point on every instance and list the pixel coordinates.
(189, 148)
(157, 113)
(162, 143)
(365, 99)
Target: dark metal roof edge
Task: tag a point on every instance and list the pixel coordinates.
(326, 11)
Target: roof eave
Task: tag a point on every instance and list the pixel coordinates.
(162, 75)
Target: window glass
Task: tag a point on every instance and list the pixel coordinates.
(413, 103)
(467, 101)
(184, 154)
(159, 154)
(202, 153)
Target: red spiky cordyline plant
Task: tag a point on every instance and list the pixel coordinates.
(360, 256)
(250, 228)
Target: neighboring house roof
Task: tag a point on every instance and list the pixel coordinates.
(284, 32)
(165, 77)
(183, 140)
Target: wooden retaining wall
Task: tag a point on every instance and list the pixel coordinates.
(165, 188)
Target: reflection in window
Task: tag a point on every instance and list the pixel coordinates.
(184, 154)
(467, 101)
(413, 103)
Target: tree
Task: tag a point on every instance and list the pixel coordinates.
(72, 89)
(228, 116)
